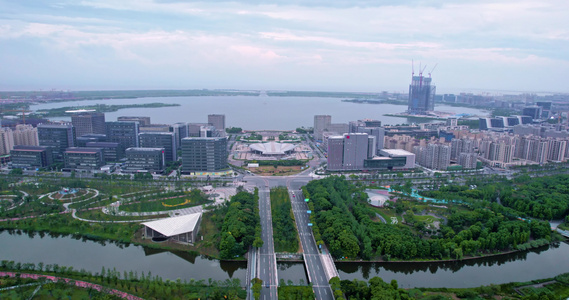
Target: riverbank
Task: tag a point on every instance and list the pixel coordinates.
(414, 117)
(100, 108)
(442, 260)
(54, 279)
(119, 233)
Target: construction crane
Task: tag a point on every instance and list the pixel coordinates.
(23, 111)
(421, 70)
(433, 69)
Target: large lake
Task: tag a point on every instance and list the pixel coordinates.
(253, 113)
(92, 256)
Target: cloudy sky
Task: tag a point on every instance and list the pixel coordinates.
(344, 45)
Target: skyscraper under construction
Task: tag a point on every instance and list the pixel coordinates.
(421, 94)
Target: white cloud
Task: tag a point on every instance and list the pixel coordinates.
(183, 37)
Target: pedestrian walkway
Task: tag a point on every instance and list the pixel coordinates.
(78, 283)
(21, 202)
(328, 264)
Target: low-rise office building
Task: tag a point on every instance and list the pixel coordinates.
(145, 159)
(111, 151)
(81, 158)
(91, 137)
(31, 157)
(166, 140)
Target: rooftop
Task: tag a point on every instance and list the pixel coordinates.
(82, 150)
(175, 225)
(397, 152)
(272, 148)
(144, 149)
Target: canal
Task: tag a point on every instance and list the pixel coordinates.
(92, 256)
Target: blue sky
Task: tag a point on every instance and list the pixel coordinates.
(364, 45)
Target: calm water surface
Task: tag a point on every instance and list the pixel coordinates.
(253, 113)
(92, 256)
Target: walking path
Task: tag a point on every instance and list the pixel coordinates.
(78, 283)
(22, 202)
(223, 194)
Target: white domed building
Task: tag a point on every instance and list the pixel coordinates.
(272, 149)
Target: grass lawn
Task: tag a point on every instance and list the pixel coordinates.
(81, 194)
(387, 213)
(164, 204)
(279, 171)
(210, 237)
(560, 290)
(100, 216)
(426, 219)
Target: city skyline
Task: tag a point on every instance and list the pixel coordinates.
(329, 46)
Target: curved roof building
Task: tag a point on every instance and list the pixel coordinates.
(272, 148)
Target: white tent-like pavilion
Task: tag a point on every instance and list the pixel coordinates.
(183, 229)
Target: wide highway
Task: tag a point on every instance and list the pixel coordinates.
(267, 271)
(316, 273)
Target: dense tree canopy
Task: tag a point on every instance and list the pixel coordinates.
(342, 219)
(543, 198)
(284, 231)
(241, 226)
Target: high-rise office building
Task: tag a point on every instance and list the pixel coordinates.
(207, 154)
(533, 111)
(218, 121)
(194, 129)
(142, 121)
(421, 95)
(88, 122)
(124, 133)
(335, 153)
(349, 151)
(180, 130)
(208, 131)
(57, 137)
(321, 123)
(165, 140)
(377, 132)
(25, 135)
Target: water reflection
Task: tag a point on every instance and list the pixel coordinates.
(541, 262)
(93, 254)
(294, 272)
